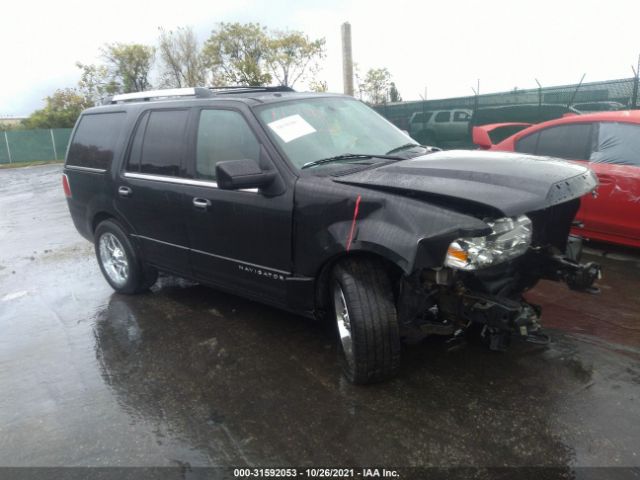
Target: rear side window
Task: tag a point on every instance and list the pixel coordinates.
(95, 140)
(443, 117)
(460, 116)
(159, 143)
(223, 135)
(133, 164)
(422, 117)
(618, 143)
(565, 141)
(528, 144)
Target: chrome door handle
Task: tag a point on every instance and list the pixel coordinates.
(124, 191)
(201, 203)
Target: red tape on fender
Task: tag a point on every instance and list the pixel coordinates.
(353, 222)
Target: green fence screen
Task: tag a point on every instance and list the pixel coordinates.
(4, 155)
(447, 122)
(18, 146)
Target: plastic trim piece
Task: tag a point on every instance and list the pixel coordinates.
(85, 169)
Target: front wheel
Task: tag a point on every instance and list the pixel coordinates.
(118, 261)
(366, 319)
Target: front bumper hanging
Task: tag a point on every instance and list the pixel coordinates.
(499, 317)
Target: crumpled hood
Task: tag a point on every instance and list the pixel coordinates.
(510, 182)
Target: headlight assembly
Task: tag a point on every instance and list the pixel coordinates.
(510, 238)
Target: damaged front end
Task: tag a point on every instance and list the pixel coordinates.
(480, 287)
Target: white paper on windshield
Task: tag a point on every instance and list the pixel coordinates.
(291, 127)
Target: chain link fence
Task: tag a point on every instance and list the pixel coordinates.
(17, 146)
(444, 122)
(447, 122)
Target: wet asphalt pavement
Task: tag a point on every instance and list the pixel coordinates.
(187, 375)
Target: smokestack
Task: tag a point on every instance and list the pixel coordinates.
(347, 59)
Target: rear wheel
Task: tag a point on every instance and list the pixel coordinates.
(366, 319)
(118, 260)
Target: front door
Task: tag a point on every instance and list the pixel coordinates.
(568, 141)
(616, 161)
(240, 239)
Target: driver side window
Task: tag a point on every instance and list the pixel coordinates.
(223, 135)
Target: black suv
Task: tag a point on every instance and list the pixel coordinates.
(316, 204)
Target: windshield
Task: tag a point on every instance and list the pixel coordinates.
(320, 128)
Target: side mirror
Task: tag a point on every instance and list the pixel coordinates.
(236, 174)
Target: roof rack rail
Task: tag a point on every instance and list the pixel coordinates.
(244, 88)
(198, 92)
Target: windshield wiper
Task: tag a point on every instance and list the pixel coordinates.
(403, 147)
(347, 156)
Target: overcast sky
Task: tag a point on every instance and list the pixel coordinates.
(444, 46)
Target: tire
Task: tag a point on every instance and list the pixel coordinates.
(121, 266)
(366, 320)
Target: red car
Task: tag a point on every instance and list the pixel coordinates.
(610, 143)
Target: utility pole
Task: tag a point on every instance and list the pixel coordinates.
(347, 59)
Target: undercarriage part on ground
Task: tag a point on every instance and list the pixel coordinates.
(501, 317)
(578, 276)
(583, 277)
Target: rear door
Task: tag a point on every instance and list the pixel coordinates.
(442, 125)
(96, 142)
(460, 124)
(150, 191)
(240, 239)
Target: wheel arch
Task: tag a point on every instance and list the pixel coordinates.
(102, 214)
(323, 276)
(100, 217)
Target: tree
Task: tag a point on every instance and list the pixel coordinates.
(376, 85)
(290, 54)
(95, 82)
(358, 85)
(318, 86)
(61, 110)
(7, 127)
(394, 95)
(129, 65)
(235, 54)
(181, 61)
